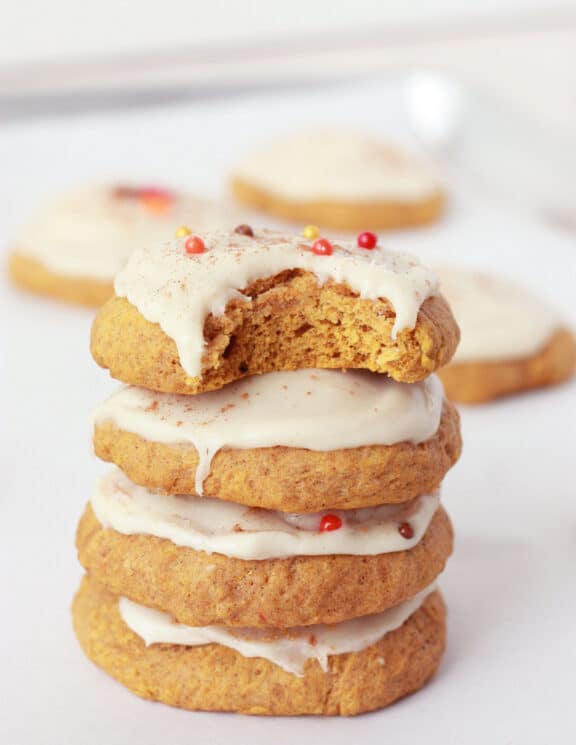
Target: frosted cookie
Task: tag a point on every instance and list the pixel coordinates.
(197, 313)
(73, 248)
(511, 341)
(341, 180)
(207, 561)
(345, 670)
(336, 440)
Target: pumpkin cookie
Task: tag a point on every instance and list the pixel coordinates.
(337, 440)
(32, 275)
(511, 341)
(72, 249)
(339, 180)
(198, 313)
(200, 588)
(216, 677)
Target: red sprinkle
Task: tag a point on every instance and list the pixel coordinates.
(155, 192)
(330, 522)
(322, 247)
(406, 530)
(194, 245)
(367, 240)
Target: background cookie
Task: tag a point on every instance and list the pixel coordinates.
(511, 341)
(32, 275)
(338, 179)
(478, 382)
(400, 663)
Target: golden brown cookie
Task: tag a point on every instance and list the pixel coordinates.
(340, 215)
(291, 479)
(216, 678)
(291, 323)
(339, 179)
(201, 589)
(478, 382)
(29, 274)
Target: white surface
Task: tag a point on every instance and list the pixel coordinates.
(508, 676)
(508, 60)
(66, 30)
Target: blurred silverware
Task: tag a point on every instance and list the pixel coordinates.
(435, 108)
(477, 140)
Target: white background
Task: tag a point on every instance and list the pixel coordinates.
(524, 50)
(35, 31)
(508, 676)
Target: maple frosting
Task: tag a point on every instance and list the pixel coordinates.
(216, 526)
(337, 165)
(91, 232)
(178, 290)
(313, 409)
(498, 320)
(289, 649)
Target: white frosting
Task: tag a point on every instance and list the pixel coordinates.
(288, 649)
(178, 290)
(91, 232)
(336, 165)
(216, 526)
(313, 409)
(498, 320)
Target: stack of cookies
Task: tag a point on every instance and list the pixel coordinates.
(269, 539)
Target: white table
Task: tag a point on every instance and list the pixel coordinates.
(508, 676)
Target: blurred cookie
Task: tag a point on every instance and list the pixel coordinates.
(340, 180)
(72, 249)
(333, 671)
(31, 274)
(510, 342)
(195, 314)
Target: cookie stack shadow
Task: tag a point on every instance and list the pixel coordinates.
(269, 538)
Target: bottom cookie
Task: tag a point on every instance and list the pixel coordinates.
(216, 678)
(29, 274)
(478, 382)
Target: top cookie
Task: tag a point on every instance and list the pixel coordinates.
(74, 247)
(186, 322)
(338, 179)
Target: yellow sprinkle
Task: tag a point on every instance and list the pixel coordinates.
(310, 232)
(183, 231)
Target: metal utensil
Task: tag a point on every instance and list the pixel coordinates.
(478, 140)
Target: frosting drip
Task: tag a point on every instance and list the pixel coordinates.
(92, 232)
(313, 409)
(178, 290)
(216, 526)
(498, 320)
(338, 165)
(289, 649)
